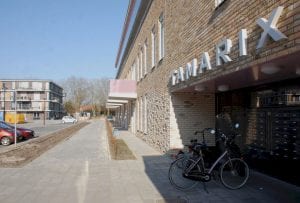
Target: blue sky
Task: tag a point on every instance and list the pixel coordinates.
(57, 39)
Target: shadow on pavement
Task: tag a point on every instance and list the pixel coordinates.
(259, 188)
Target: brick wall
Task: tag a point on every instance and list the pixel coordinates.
(191, 112)
(192, 27)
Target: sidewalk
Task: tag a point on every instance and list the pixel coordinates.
(260, 188)
(79, 170)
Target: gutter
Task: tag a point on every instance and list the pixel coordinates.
(139, 20)
(125, 29)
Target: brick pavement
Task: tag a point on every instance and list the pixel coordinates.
(80, 170)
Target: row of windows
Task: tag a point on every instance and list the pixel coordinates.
(30, 106)
(140, 67)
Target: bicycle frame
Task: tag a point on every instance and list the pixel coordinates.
(217, 161)
(202, 162)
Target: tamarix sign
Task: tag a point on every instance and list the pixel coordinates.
(223, 48)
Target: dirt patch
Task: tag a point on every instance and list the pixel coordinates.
(118, 148)
(31, 149)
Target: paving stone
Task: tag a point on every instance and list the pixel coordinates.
(80, 170)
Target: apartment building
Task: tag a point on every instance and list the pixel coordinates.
(193, 60)
(37, 99)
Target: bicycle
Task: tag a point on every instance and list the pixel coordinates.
(189, 169)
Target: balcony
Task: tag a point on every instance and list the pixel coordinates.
(24, 98)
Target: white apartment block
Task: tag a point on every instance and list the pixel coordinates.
(37, 99)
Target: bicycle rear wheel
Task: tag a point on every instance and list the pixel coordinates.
(234, 173)
(176, 172)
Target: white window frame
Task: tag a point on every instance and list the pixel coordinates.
(161, 32)
(145, 58)
(138, 114)
(133, 72)
(153, 48)
(138, 68)
(141, 64)
(141, 114)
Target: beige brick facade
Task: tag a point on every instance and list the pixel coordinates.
(192, 27)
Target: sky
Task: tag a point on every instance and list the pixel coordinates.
(58, 39)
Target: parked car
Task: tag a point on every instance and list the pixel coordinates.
(7, 136)
(25, 133)
(110, 118)
(68, 119)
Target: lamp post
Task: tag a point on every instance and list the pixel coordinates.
(15, 101)
(3, 88)
(44, 122)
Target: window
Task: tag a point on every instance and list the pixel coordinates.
(153, 46)
(36, 115)
(145, 114)
(139, 114)
(219, 2)
(145, 58)
(161, 36)
(133, 71)
(141, 64)
(137, 69)
(12, 104)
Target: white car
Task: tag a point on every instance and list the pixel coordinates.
(68, 119)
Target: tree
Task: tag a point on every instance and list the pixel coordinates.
(81, 91)
(69, 107)
(76, 91)
(98, 92)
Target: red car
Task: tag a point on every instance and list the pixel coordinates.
(24, 132)
(7, 136)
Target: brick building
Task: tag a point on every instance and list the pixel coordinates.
(37, 99)
(192, 60)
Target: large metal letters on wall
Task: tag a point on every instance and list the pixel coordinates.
(223, 48)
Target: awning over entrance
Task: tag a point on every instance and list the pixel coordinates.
(279, 69)
(120, 92)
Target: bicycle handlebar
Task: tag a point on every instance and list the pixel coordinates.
(211, 130)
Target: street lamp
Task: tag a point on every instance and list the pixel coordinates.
(15, 103)
(44, 112)
(3, 88)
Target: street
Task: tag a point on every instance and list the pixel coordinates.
(79, 170)
(40, 129)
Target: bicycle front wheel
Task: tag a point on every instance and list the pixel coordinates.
(176, 174)
(234, 173)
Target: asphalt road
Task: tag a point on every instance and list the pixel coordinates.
(41, 130)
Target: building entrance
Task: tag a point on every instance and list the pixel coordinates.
(270, 126)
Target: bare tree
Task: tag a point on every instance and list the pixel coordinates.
(97, 93)
(81, 91)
